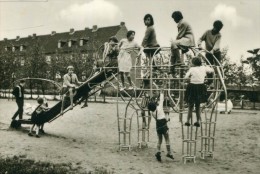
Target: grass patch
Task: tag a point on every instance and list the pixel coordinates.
(16, 165)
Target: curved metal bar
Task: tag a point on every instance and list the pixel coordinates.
(42, 79)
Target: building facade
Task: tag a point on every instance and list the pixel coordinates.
(47, 56)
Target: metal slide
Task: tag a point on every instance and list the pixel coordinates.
(86, 87)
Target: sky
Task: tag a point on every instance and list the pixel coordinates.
(241, 19)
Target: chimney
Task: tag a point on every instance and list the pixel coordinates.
(17, 38)
(72, 31)
(53, 33)
(94, 28)
(122, 24)
(34, 35)
(5, 39)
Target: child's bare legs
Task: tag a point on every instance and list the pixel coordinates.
(31, 129)
(129, 79)
(86, 100)
(71, 97)
(159, 143)
(190, 108)
(175, 58)
(197, 108)
(122, 79)
(158, 154)
(41, 128)
(168, 146)
(149, 119)
(144, 119)
(37, 131)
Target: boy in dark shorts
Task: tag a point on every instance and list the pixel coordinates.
(161, 126)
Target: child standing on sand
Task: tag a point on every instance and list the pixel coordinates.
(161, 126)
(37, 117)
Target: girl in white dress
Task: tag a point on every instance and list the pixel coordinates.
(126, 45)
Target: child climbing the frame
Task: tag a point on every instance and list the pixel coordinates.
(162, 129)
(196, 90)
(124, 58)
(37, 116)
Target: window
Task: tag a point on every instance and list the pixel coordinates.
(81, 42)
(7, 48)
(48, 59)
(70, 43)
(61, 44)
(22, 47)
(13, 48)
(22, 61)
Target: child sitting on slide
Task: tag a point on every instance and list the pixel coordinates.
(37, 116)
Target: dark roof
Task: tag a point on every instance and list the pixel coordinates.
(50, 42)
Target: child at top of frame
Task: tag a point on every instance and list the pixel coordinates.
(70, 82)
(38, 117)
(162, 129)
(124, 58)
(149, 40)
(196, 91)
(185, 37)
(212, 40)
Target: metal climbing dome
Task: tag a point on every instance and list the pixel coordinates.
(148, 73)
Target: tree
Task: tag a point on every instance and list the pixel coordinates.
(9, 64)
(254, 61)
(235, 74)
(35, 61)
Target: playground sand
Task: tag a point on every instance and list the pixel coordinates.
(88, 139)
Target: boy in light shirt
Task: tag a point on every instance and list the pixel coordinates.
(162, 129)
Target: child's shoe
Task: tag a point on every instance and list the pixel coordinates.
(130, 87)
(158, 156)
(122, 88)
(71, 108)
(30, 134)
(197, 124)
(85, 105)
(37, 136)
(42, 131)
(187, 124)
(170, 156)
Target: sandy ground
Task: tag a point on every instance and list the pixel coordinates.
(88, 138)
